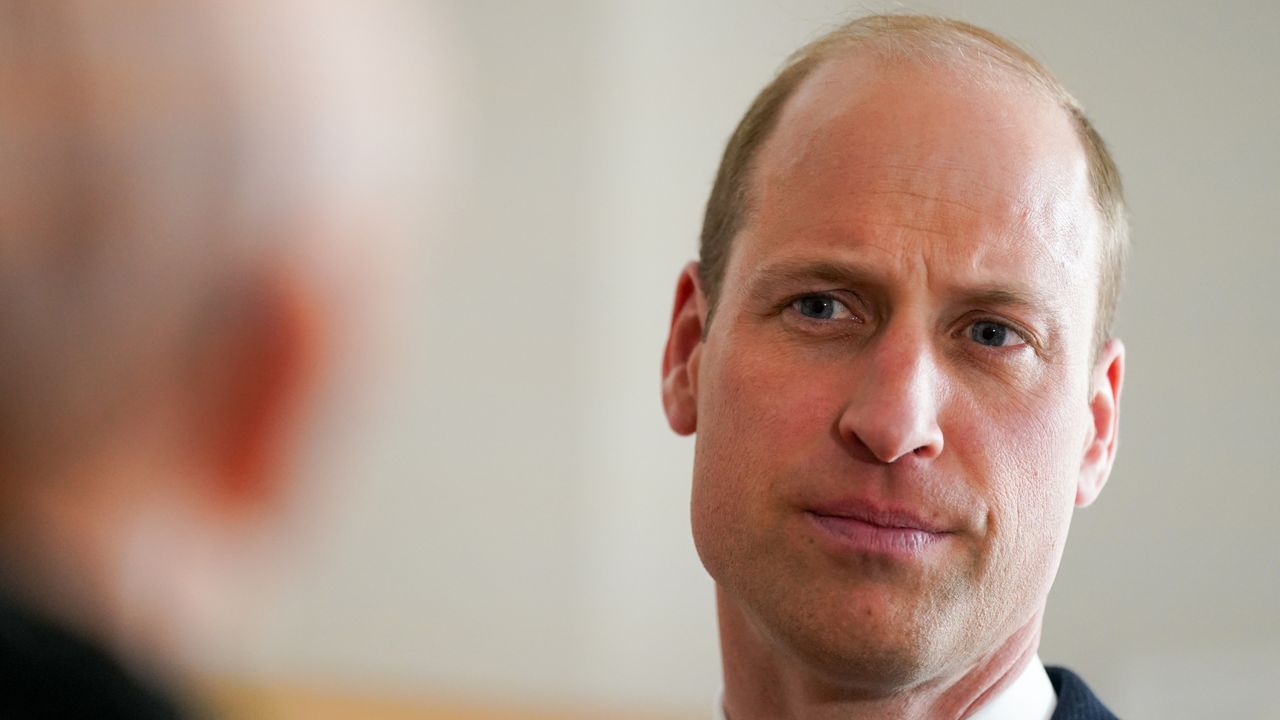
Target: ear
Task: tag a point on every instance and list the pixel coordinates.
(684, 348)
(260, 370)
(1107, 378)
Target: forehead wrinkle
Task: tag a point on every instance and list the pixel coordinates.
(932, 197)
(942, 246)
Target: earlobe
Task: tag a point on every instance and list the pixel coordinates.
(683, 351)
(1107, 380)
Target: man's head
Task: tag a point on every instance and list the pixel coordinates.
(899, 397)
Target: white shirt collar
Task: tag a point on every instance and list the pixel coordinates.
(1030, 697)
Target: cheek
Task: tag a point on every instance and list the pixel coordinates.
(1026, 454)
(760, 418)
(759, 410)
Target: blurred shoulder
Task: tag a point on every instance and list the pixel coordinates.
(47, 671)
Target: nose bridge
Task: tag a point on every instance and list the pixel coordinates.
(894, 411)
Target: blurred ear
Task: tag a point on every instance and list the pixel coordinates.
(684, 347)
(260, 368)
(1104, 408)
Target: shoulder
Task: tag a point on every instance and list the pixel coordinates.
(1075, 700)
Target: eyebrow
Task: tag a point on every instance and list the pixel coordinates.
(1023, 299)
(769, 279)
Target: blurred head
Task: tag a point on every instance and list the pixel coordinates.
(189, 209)
(898, 401)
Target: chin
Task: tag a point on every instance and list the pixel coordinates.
(867, 661)
(866, 643)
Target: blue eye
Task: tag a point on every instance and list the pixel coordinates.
(821, 307)
(994, 334)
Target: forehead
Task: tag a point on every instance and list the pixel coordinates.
(965, 171)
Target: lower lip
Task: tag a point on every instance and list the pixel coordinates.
(853, 535)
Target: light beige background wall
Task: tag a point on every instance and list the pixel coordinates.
(517, 522)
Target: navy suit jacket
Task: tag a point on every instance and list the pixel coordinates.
(1075, 700)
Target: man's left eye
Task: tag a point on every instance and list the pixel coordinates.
(994, 334)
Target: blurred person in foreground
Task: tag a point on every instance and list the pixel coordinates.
(896, 354)
(182, 189)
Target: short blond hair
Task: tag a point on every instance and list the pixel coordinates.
(909, 38)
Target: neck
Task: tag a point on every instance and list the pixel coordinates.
(763, 682)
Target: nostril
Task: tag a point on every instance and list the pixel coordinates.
(929, 451)
(859, 449)
(878, 443)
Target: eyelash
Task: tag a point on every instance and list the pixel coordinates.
(1026, 338)
(792, 304)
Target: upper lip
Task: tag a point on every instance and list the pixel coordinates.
(876, 514)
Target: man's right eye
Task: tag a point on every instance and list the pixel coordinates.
(821, 307)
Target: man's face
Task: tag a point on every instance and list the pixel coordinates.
(893, 398)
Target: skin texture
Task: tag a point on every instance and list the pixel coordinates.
(916, 208)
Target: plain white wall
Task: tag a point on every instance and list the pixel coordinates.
(516, 522)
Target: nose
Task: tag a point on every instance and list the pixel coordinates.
(893, 410)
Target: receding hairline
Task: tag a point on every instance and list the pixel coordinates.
(886, 42)
(927, 40)
(864, 72)
(878, 57)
